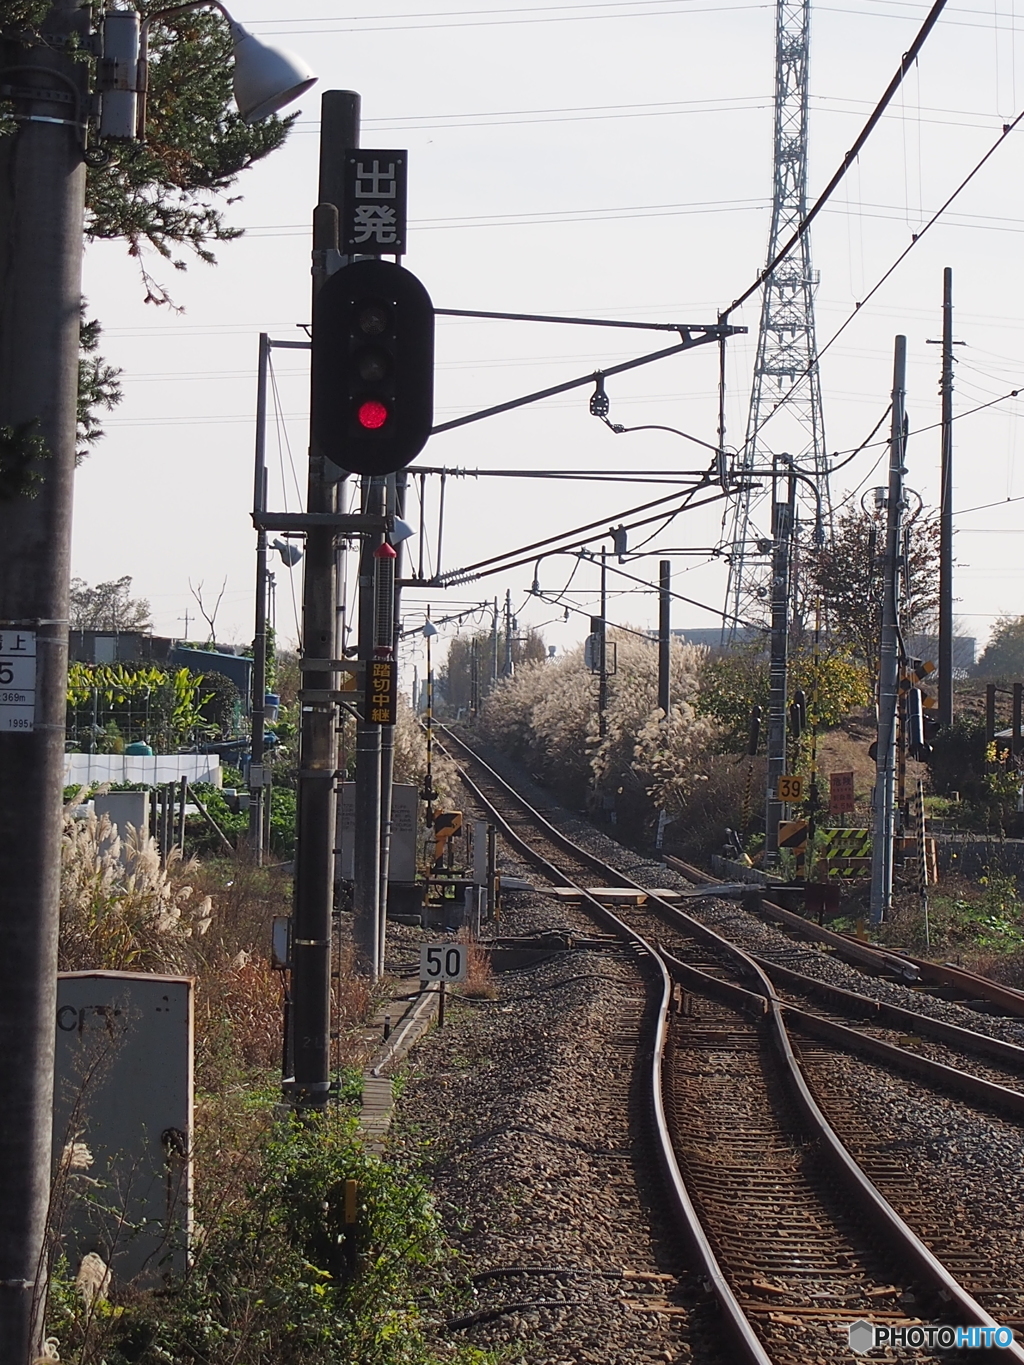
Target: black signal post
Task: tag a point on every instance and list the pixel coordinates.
(373, 367)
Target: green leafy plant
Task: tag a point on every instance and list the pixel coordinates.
(297, 1265)
(731, 683)
(161, 706)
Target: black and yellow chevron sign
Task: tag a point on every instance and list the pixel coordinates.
(793, 834)
(846, 843)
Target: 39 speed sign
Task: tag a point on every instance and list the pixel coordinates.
(443, 962)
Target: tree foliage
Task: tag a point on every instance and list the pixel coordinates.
(98, 387)
(546, 716)
(847, 576)
(108, 606)
(162, 193)
(482, 654)
(1004, 654)
(732, 683)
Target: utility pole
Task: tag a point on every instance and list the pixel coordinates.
(778, 668)
(367, 827)
(888, 673)
(494, 643)
(42, 199)
(945, 716)
(259, 643)
(507, 671)
(602, 681)
(397, 485)
(315, 822)
(664, 634)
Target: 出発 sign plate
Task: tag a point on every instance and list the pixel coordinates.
(17, 679)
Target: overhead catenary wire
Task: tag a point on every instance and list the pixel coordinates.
(906, 62)
(1007, 130)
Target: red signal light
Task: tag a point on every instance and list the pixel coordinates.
(372, 414)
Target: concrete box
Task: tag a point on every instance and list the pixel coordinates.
(404, 832)
(122, 1123)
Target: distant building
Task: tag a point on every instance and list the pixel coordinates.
(118, 647)
(712, 636)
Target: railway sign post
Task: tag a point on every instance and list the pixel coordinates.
(443, 963)
(17, 680)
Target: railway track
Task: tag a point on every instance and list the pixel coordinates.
(789, 1233)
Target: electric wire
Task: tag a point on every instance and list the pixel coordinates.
(906, 62)
(1007, 130)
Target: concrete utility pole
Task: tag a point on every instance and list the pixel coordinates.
(42, 198)
(259, 643)
(888, 673)
(778, 668)
(507, 670)
(602, 681)
(367, 828)
(315, 819)
(664, 634)
(945, 661)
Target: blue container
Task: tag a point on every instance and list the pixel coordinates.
(271, 707)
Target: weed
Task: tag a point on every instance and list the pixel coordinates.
(479, 983)
(280, 1276)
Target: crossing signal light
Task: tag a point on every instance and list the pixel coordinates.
(917, 738)
(373, 368)
(754, 731)
(798, 713)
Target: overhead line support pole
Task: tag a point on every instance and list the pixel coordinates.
(257, 814)
(946, 510)
(664, 634)
(42, 199)
(783, 514)
(315, 822)
(888, 674)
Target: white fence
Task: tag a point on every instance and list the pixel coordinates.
(151, 769)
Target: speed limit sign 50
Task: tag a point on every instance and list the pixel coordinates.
(443, 962)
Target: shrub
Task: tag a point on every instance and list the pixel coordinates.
(280, 1276)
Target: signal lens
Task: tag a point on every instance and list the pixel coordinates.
(373, 319)
(372, 414)
(372, 366)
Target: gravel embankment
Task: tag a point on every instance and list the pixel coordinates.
(521, 1110)
(745, 928)
(956, 1175)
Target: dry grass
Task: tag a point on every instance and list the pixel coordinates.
(479, 983)
(122, 911)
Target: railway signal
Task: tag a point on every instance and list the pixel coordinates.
(373, 367)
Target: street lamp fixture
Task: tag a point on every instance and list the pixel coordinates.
(265, 78)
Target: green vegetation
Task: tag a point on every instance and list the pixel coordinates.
(280, 1276)
(1004, 654)
(731, 683)
(110, 705)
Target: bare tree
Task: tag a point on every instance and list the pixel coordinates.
(108, 606)
(210, 617)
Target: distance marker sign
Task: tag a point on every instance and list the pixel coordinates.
(17, 680)
(444, 962)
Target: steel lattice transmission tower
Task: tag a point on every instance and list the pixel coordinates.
(786, 369)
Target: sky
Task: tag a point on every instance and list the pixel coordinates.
(609, 160)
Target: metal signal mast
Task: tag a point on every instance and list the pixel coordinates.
(786, 369)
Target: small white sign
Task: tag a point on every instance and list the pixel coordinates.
(443, 962)
(17, 679)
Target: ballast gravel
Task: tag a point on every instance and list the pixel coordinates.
(521, 1109)
(745, 928)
